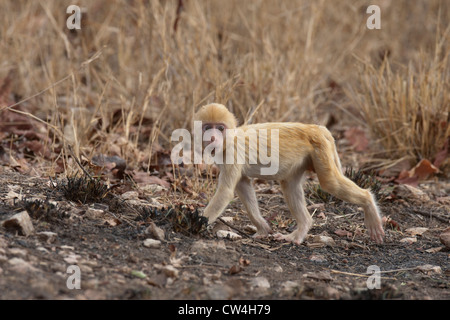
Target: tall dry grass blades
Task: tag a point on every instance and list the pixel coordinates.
(407, 109)
(268, 60)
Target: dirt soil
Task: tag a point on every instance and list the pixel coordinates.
(108, 247)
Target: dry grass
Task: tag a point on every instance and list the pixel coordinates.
(136, 65)
(407, 109)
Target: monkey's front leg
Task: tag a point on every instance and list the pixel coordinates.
(228, 179)
(247, 195)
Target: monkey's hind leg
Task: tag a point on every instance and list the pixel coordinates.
(334, 182)
(295, 198)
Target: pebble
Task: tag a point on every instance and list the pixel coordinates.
(20, 222)
(47, 236)
(152, 243)
(224, 234)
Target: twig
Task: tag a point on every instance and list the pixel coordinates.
(431, 214)
(78, 161)
(235, 229)
(243, 233)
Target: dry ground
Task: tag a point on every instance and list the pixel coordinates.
(115, 264)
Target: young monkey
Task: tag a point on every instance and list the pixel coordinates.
(300, 147)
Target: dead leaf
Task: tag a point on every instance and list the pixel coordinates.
(434, 250)
(420, 172)
(357, 138)
(244, 262)
(235, 269)
(409, 240)
(394, 224)
(109, 162)
(145, 178)
(416, 231)
(343, 233)
(428, 269)
(411, 193)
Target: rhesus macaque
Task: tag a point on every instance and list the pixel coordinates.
(300, 147)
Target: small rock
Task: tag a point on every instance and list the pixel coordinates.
(20, 222)
(409, 240)
(260, 282)
(155, 231)
(445, 237)
(227, 219)
(224, 234)
(18, 252)
(317, 258)
(22, 266)
(72, 258)
(47, 236)
(290, 288)
(93, 213)
(170, 271)
(152, 243)
(278, 268)
(326, 240)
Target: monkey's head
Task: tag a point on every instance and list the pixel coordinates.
(216, 119)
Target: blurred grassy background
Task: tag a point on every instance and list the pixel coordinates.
(138, 69)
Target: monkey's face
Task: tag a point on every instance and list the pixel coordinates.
(213, 135)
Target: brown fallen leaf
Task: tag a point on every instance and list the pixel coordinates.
(420, 172)
(141, 177)
(389, 222)
(343, 233)
(416, 231)
(235, 269)
(109, 162)
(357, 138)
(244, 262)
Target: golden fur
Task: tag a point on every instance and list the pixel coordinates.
(300, 147)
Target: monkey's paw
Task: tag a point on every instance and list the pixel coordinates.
(262, 234)
(375, 229)
(376, 233)
(295, 237)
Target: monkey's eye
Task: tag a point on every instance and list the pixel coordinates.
(207, 127)
(220, 128)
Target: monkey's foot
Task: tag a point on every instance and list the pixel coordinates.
(376, 232)
(295, 237)
(262, 234)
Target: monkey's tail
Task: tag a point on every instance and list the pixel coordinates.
(329, 171)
